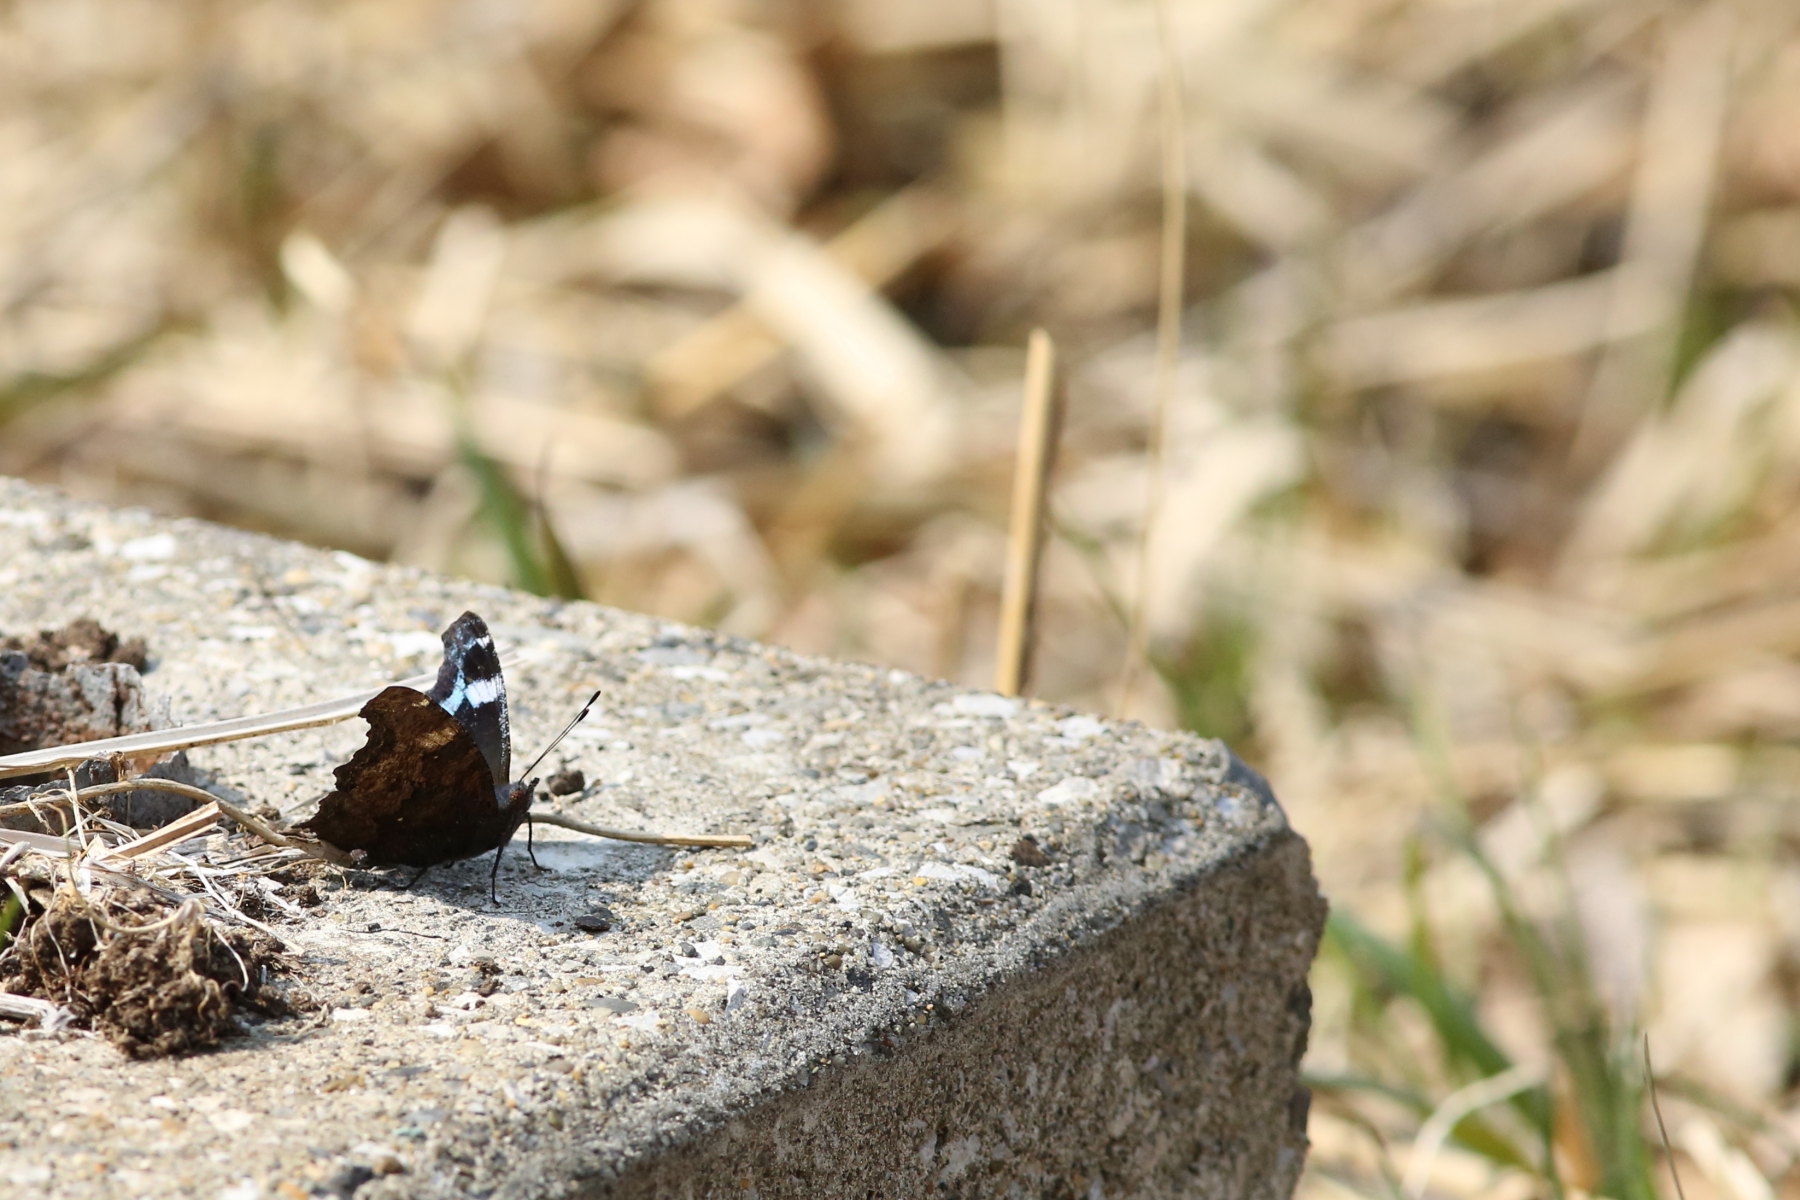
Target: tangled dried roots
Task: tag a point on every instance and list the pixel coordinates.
(155, 981)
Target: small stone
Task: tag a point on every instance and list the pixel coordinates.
(346, 1179)
(565, 783)
(1027, 853)
(686, 950)
(599, 921)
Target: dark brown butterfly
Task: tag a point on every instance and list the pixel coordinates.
(433, 783)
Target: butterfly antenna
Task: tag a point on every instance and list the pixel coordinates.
(557, 740)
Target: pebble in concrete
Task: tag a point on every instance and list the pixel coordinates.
(982, 947)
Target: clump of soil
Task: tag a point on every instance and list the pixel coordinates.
(76, 684)
(83, 640)
(171, 988)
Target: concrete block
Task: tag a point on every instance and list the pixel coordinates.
(981, 948)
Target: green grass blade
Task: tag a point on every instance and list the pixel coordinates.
(1453, 1019)
(10, 912)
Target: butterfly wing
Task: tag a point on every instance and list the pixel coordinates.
(470, 689)
(419, 792)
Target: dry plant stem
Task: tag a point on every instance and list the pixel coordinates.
(1170, 286)
(75, 814)
(162, 741)
(1024, 544)
(628, 835)
(176, 831)
(189, 911)
(1432, 1135)
(260, 828)
(30, 1008)
(1661, 1128)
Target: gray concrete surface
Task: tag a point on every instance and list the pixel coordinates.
(877, 1000)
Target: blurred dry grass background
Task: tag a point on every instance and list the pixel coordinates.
(1478, 529)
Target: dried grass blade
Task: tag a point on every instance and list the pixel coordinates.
(1024, 549)
(173, 833)
(43, 843)
(632, 835)
(186, 737)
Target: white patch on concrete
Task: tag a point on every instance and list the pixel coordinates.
(1069, 790)
(415, 643)
(572, 855)
(710, 674)
(1079, 729)
(157, 547)
(959, 1156)
(232, 1120)
(957, 873)
(985, 704)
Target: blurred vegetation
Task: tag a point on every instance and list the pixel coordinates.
(1481, 465)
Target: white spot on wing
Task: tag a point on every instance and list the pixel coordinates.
(481, 691)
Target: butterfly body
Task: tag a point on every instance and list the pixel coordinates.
(431, 784)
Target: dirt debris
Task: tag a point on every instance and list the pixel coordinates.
(83, 640)
(155, 979)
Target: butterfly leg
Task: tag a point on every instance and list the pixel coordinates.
(528, 847)
(408, 885)
(494, 875)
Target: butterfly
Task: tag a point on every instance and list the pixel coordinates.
(433, 783)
